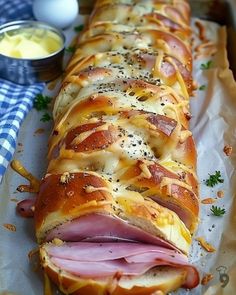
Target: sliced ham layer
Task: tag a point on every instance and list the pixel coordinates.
(96, 260)
(109, 251)
(102, 268)
(107, 228)
(183, 215)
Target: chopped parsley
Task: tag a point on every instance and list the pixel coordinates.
(207, 65)
(202, 87)
(79, 28)
(217, 211)
(41, 102)
(70, 49)
(46, 117)
(214, 179)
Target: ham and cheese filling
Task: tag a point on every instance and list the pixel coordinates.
(119, 202)
(106, 228)
(110, 248)
(97, 260)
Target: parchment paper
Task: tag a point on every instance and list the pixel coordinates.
(213, 125)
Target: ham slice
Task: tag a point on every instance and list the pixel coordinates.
(183, 215)
(163, 124)
(96, 140)
(107, 228)
(110, 251)
(97, 260)
(101, 269)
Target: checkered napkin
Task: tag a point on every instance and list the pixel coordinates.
(15, 100)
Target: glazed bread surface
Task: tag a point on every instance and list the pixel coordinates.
(122, 160)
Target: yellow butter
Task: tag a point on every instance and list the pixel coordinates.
(29, 43)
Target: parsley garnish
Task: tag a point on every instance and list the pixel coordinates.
(41, 102)
(70, 49)
(79, 28)
(217, 211)
(207, 65)
(214, 179)
(202, 87)
(46, 117)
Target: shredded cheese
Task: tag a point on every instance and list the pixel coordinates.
(65, 177)
(57, 242)
(47, 285)
(179, 78)
(184, 135)
(156, 70)
(208, 247)
(91, 189)
(145, 171)
(166, 181)
(34, 182)
(208, 201)
(82, 136)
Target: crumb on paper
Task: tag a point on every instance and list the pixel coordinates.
(39, 131)
(52, 85)
(206, 279)
(10, 227)
(14, 200)
(205, 245)
(220, 194)
(228, 150)
(20, 144)
(208, 201)
(195, 85)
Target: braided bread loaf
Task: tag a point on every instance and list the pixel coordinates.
(119, 202)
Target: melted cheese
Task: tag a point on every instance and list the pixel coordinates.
(82, 136)
(179, 77)
(177, 166)
(47, 285)
(91, 189)
(171, 144)
(57, 242)
(166, 181)
(184, 135)
(145, 171)
(113, 61)
(117, 96)
(158, 62)
(34, 182)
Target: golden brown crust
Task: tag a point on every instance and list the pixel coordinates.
(145, 40)
(70, 284)
(166, 187)
(79, 194)
(121, 148)
(64, 193)
(109, 10)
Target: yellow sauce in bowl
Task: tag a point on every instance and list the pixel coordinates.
(29, 43)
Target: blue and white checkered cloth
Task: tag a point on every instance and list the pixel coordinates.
(15, 10)
(15, 100)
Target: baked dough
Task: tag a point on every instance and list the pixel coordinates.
(122, 161)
